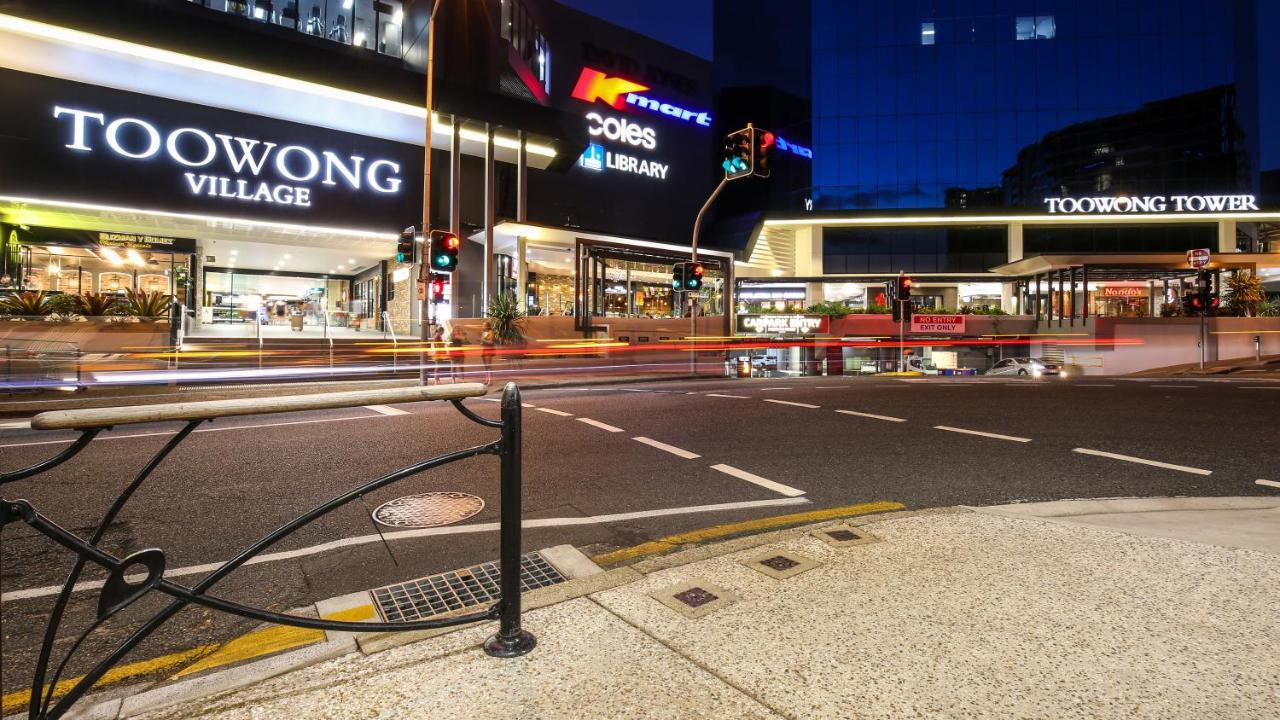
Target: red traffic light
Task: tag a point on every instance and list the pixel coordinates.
(696, 269)
(906, 282)
(450, 241)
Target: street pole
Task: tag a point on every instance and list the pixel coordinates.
(425, 310)
(693, 297)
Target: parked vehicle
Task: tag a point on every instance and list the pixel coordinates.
(1034, 367)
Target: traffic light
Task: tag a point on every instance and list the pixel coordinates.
(407, 245)
(1204, 289)
(902, 299)
(762, 159)
(444, 251)
(693, 276)
(678, 274)
(738, 154)
(437, 288)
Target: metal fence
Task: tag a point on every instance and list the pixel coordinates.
(31, 365)
(140, 573)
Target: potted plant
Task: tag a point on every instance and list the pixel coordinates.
(506, 320)
(27, 304)
(144, 305)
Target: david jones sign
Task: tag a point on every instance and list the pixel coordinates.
(1152, 204)
(229, 167)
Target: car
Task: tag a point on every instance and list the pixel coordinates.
(1034, 367)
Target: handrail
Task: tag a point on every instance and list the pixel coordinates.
(121, 588)
(209, 409)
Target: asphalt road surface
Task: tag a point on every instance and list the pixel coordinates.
(605, 467)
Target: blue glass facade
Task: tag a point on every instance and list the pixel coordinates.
(916, 98)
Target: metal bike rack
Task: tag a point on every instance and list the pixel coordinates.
(134, 575)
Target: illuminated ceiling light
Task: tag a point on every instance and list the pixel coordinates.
(235, 252)
(359, 38)
(288, 255)
(1029, 219)
(369, 234)
(498, 140)
(111, 255)
(397, 17)
(346, 4)
(76, 37)
(351, 261)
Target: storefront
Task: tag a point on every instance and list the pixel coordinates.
(79, 262)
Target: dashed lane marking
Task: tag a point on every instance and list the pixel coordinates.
(678, 452)
(757, 480)
(15, 425)
(1176, 387)
(50, 590)
(561, 413)
(634, 390)
(387, 410)
(1259, 387)
(1269, 483)
(597, 423)
(979, 433)
(777, 388)
(788, 402)
(1143, 461)
(739, 397)
(888, 418)
(1097, 384)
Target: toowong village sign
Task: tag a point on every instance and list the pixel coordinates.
(1152, 204)
(251, 170)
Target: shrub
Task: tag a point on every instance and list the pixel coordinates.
(1246, 294)
(96, 305)
(31, 303)
(63, 306)
(147, 305)
(1170, 310)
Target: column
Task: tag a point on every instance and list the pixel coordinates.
(522, 273)
(522, 178)
(1015, 241)
(455, 211)
(1008, 297)
(1226, 236)
(488, 281)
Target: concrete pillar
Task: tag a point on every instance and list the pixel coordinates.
(950, 298)
(460, 309)
(1226, 236)
(522, 272)
(813, 293)
(1007, 301)
(489, 287)
(522, 178)
(1015, 241)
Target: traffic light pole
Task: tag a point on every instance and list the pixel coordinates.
(693, 297)
(426, 312)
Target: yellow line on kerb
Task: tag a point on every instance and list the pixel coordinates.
(246, 647)
(672, 542)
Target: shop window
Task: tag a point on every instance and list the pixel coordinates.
(114, 282)
(927, 33)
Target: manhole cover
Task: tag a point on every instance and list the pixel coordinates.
(428, 509)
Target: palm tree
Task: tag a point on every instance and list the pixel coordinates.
(1247, 295)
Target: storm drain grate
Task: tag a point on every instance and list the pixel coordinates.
(459, 589)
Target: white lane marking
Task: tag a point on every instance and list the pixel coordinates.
(979, 433)
(1269, 483)
(1176, 387)
(777, 388)
(491, 399)
(205, 430)
(602, 426)
(678, 452)
(740, 397)
(788, 402)
(528, 405)
(49, 590)
(1097, 384)
(757, 480)
(387, 410)
(1154, 463)
(1259, 387)
(16, 425)
(634, 390)
(889, 418)
(829, 387)
(561, 413)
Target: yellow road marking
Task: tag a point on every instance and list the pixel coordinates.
(246, 647)
(672, 542)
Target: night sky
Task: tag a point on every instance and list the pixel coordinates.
(686, 24)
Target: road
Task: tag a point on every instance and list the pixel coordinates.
(608, 467)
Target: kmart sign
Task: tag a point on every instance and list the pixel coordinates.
(1151, 204)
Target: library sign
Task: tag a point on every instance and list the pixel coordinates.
(1151, 204)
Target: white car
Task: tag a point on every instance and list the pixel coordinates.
(1034, 367)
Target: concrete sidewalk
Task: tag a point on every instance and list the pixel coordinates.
(998, 613)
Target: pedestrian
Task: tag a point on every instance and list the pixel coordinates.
(487, 343)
